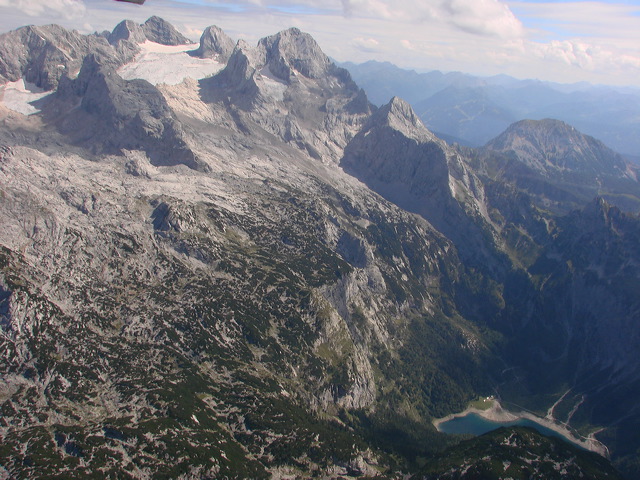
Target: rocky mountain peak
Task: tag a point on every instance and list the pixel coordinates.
(548, 129)
(400, 116)
(214, 41)
(288, 87)
(107, 114)
(551, 146)
(127, 30)
(160, 31)
(292, 51)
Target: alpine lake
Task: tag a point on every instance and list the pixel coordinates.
(486, 415)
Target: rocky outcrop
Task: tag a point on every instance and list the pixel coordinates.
(214, 43)
(553, 148)
(43, 55)
(127, 30)
(395, 148)
(398, 157)
(292, 52)
(160, 31)
(288, 87)
(117, 114)
(126, 38)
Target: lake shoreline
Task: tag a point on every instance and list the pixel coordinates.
(497, 413)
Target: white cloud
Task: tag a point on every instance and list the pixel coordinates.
(366, 44)
(369, 8)
(408, 45)
(482, 17)
(68, 9)
(588, 57)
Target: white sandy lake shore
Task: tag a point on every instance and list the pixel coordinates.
(497, 413)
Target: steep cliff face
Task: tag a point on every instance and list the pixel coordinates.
(127, 30)
(160, 31)
(106, 114)
(396, 156)
(293, 52)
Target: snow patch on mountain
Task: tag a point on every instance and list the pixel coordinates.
(169, 64)
(20, 95)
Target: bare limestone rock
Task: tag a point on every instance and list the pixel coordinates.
(214, 43)
(160, 31)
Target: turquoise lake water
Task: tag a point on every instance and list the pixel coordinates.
(474, 424)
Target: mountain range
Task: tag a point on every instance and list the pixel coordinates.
(255, 272)
(472, 110)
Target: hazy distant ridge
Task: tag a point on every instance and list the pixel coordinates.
(472, 110)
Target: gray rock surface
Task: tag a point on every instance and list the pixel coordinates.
(214, 43)
(42, 55)
(292, 51)
(287, 86)
(160, 31)
(398, 157)
(127, 30)
(116, 114)
(553, 147)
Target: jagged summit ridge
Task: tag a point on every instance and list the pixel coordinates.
(155, 29)
(283, 56)
(42, 55)
(287, 86)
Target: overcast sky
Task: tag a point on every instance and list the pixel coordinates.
(564, 41)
